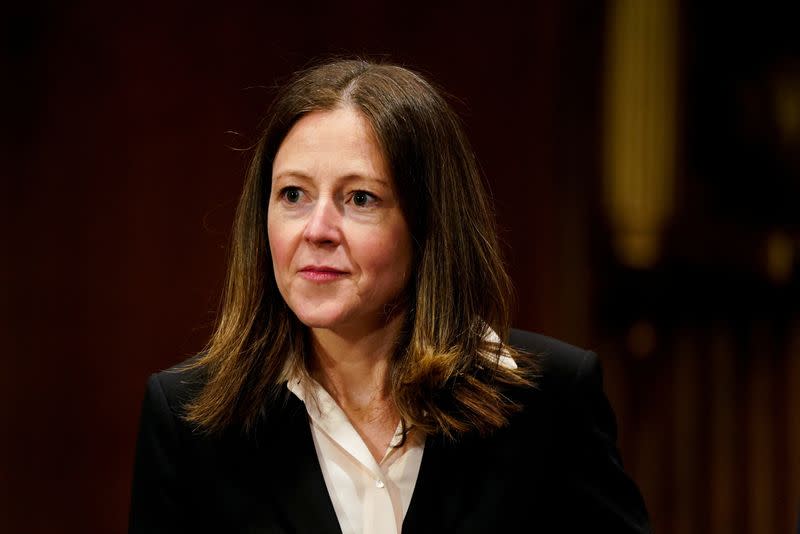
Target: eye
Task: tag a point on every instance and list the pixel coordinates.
(363, 199)
(292, 195)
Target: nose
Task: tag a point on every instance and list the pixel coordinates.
(323, 225)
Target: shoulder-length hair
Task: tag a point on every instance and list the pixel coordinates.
(446, 374)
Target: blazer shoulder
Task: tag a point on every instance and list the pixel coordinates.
(590, 477)
(560, 364)
(180, 383)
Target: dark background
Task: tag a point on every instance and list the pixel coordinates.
(123, 131)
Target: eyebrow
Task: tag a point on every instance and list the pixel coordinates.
(369, 178)
(291, 174)
(347, 177)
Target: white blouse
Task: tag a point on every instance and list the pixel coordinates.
(368, 496)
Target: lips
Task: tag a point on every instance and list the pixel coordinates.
(321, 273)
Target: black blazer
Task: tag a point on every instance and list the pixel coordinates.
(555, 468)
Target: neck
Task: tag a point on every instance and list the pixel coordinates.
(353, 366)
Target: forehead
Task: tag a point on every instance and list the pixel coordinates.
(340, 140)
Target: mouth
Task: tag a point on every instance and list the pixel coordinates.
(321, 273)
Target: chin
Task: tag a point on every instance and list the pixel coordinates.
(317, 318)
(314, 322)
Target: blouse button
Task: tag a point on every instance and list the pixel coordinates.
(379, 483)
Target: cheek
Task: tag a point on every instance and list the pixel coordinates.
(279, 246)
(389, 256)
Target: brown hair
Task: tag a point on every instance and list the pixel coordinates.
(445, 375)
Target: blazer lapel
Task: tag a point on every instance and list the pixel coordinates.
(291, 469)
(439, 493)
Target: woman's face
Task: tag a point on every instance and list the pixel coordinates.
(341, 247)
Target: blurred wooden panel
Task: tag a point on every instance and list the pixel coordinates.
(686, 401)
(791, 382)
(725, 426)
(760, 432)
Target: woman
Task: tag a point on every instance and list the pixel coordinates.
(356, 380)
